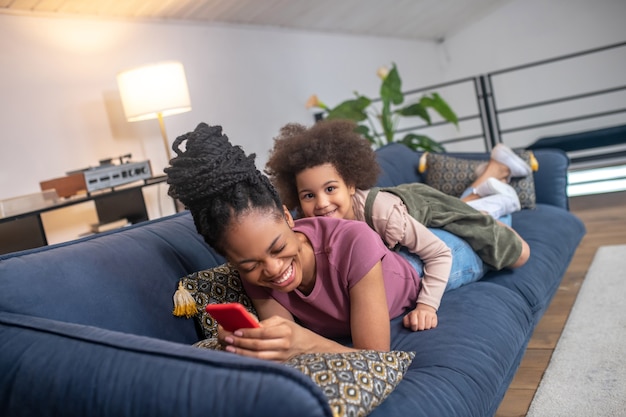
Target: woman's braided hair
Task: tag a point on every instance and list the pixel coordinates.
(217, 182)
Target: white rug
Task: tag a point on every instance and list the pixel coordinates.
(587, 373)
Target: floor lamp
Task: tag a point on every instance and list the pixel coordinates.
(154, 91)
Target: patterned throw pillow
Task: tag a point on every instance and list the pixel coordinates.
(211, 343)
(355, 382)
(217, 285)
(453, 175)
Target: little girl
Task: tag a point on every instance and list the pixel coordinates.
(329, 170)
(310, 280)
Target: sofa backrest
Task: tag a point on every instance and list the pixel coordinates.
(400, 165)
(123, 280)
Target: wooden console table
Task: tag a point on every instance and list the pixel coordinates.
(26, 231)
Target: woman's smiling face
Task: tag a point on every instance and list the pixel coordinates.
(323, 192)
(268, 253)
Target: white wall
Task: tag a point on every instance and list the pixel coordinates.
(61, 109)
(525, 31)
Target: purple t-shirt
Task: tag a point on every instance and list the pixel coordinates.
(345, 250)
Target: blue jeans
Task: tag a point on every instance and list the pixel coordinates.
(466, 264)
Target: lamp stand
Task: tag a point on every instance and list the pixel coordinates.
(164, 134)
(178, 206)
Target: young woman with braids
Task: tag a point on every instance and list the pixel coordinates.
(312, 280)
(330, 170)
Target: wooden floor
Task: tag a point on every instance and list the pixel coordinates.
(604, 216)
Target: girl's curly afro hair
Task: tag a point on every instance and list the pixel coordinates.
(335, 142)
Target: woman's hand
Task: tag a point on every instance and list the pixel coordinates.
(424, 317)
(278, 339)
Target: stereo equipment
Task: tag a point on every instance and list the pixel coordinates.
(110, 176)
(105, 175)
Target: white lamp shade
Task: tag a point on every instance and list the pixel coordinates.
(154, 89)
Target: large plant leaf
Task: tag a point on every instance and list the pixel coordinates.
(415, 109)
(391, 87)
(435, 102)
(350, 109)
(365, 132)
(422, 142)
(386, 117)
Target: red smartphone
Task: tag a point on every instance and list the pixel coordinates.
(232, 316)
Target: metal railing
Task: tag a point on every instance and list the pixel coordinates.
(483, 93)
(478, 114)
(487, 94)
(495, 112)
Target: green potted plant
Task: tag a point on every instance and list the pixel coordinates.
(379, 123)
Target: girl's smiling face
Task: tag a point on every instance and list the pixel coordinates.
(323, 192)
(268, 253)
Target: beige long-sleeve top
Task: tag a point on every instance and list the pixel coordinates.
(392, 221)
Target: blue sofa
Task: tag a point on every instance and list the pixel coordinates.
(86, 327)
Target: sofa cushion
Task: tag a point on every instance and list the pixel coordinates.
(355, 382)
(552, 235)
(453, 175)
(551, 178)
(464, 365)
(396, 162)
(217, 285)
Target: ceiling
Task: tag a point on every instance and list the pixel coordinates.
(431, 20)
